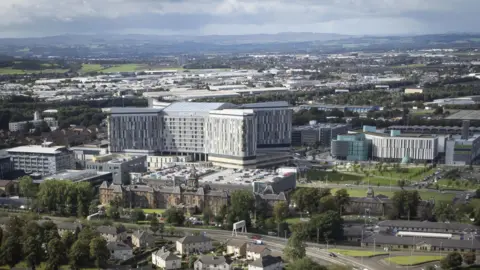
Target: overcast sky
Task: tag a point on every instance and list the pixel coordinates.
(20, 18)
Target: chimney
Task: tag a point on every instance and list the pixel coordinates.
(465, 129)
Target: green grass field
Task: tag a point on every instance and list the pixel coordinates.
(413, 260)
(123, 68)
(11, 71)
(90, 68)
(357, 253)
(361, 192)
(151, 211)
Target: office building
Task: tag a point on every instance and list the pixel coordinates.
(317, 134)
(351, 147)
(225, 134)
(462, 152)
(343, 108)
(41, 159)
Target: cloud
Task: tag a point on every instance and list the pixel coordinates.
(50, 17)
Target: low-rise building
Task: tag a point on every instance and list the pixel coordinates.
(194, 243)
(119, 251)
(255, 252)
(64, 227)
(317, 134)
(142, 239)
(206, 262)
(8, 188)
(93, 177)
(41, 159)
(166, 260)
(267, 262)
(237, 247)
(112, 234)
(119, 165)
(462, 152)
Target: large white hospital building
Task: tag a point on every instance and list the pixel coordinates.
(228, 135)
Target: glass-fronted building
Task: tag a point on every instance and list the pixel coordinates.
(350, 147)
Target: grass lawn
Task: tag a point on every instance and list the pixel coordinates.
(459, 184)
(151, 211)
(413, 260)
(123, 68)
(90, 68)
(357, 253)
(362, 192)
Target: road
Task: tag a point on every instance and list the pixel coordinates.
(314, 251)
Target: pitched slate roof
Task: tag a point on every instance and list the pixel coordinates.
(429, 225)
(117, 246)
(256, 248)
(236, 243)
(209, 260)
(266, 261)
(165, 255)
(194, 239)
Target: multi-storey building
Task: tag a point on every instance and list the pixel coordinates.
(232, 136)
(135, 128)
(396, 147)
(119, 165)
(224, 133)
(321, 134)
(36, 122)
(274, 124)
(460, 151)
(41, 159)
(352, 147)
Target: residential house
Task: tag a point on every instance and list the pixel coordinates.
(119, 251)
(255, 252)
(166, 260)
(64, 227)
(266, 263)
(237, 247)
(194, 243)
(7, 188)
(206, 262)
(112, 234)
(141, 239)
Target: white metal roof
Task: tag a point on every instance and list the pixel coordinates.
(426, 234)
(36, 149)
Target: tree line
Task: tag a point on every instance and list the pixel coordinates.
(37, 242)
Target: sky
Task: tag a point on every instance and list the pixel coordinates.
(25, 18)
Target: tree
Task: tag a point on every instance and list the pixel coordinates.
(113, 212)
(327, 203)
(11, 251)
(405, 203)
(32, 250)
(137, 214)
(68, 238)
(27, 187)
(452, 261)
(295, 248)
(305, 263)
(241, 203)
(469, 258)
(280, 213)
(154, 225)
(56, 254)
(79, 254)
(342, 198)
(444, 212)
(207, 215)
(174, 216)
(308, 199)
(327, 225)
(99, 251)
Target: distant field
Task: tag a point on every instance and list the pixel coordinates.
(410, 66)
(413, 260)
(10, 71)
(121, 68)
(90, 68)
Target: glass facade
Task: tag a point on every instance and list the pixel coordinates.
(351, 147)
